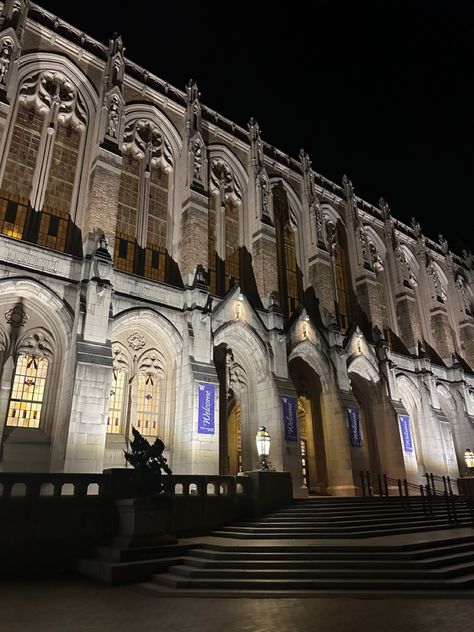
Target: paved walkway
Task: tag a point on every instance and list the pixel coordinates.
(78, 605)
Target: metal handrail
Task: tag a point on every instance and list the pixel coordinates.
(371, 482)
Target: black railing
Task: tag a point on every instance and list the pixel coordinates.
(383, 486)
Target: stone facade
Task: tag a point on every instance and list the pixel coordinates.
(163, 268)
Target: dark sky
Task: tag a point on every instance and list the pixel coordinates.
(378, 89)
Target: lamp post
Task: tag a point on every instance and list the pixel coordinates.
(469, 460)
(263, 448)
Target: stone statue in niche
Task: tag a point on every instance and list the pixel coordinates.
(197, 163)
(464, 295)
(444, 244)
(114, 116)
(265, 197)
(5, 59)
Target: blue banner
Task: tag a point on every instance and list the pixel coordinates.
(353, 419)
(290, 417)
(206, 408)
(406, 433)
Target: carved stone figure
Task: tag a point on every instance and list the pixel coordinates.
(197, 162)
(114, 116)
(16, 317)
(5, 59)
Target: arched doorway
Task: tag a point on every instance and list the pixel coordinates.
(313, 455)
(379, 448)
(453, 452)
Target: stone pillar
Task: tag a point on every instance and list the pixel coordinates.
(442, 333)
(264, 264)
(194, 234)
(408, 319)
(104, 197)
(336, 440)
(321, 278)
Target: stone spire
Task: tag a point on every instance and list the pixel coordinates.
(197, 151)
(259, 177)
(311, 200)
(113, 103)
(12, 26)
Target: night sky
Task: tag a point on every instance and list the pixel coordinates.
(378, 89)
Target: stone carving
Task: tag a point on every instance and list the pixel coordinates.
(444, 244)
(255, 142)
(197, 149)
(16, 317)
(385, 208)
(224, 181)
(52, 92)
(37, 343)
(375, 259)
(265, 196)
(407, 272)
(416, 228)
(136, 341)
(151, 363)
(439, 291)
(114, 116)
(350, 196)
(463, 293)
(331, 235)
(468, 258)
(365, 247)
(6, 51)
(145, 140)
(119, 357)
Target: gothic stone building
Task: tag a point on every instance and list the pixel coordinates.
(163, 268)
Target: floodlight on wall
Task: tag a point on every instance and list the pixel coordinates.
(305, 327)
(263, 448)
(469, 460)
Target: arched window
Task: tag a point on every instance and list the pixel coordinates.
(27, 394)
(41, 166)
(288, 274)
(337, 246)
(142, 218)
(148, 392)
(135, 400)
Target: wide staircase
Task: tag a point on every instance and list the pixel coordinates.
(328, 544)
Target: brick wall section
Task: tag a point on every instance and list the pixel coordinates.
(369, 296)
(442, 334)
(408, 321)
(265, 265)
(102, 213)
(193, 237)
(321, 278)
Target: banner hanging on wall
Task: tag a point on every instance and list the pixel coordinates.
(290, 417)
(353, 419)
(206, 408)
(406, 433)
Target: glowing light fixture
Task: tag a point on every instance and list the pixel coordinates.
(469, 460)
(263, 448)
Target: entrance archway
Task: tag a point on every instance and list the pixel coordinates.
(313, 455)
(380, 450)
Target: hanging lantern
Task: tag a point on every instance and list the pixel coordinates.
(263, 448)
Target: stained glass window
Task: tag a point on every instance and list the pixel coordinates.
(26, 400)
(147, 404)
(116, 401)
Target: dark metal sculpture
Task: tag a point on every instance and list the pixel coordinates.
(149, 463)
